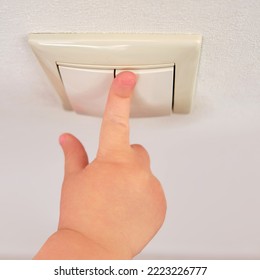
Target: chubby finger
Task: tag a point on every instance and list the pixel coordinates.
(141, 153)
(114, 134)
(75, 155)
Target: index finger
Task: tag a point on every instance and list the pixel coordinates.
(114, 134)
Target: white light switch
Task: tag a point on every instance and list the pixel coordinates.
(87, 88)
(153, 92)
(85, 62)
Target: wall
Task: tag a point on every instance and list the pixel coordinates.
(208, 161)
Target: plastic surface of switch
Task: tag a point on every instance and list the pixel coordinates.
(87, 90)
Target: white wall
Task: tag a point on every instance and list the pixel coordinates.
(208, 161)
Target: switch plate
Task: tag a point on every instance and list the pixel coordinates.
(87, 90)
(122, 51)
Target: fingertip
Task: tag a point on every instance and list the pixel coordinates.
(125, 82)
(75, 155)
(66, 138)
(127, 78)
(63, 138)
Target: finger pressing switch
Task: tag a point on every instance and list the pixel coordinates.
(86, 89)
(154, 91)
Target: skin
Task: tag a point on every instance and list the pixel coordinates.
(112, 207)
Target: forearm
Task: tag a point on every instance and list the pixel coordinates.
(68, 244)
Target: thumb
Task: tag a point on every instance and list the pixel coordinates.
(75, 155)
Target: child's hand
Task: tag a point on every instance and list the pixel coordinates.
(112, 207)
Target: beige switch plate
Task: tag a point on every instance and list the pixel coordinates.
(122, 51)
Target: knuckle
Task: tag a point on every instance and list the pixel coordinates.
(118, 120)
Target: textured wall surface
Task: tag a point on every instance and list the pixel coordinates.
(208, 161)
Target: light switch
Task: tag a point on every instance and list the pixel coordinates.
(153, 94)
(78, 66)
(86, 88)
